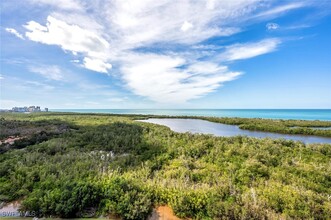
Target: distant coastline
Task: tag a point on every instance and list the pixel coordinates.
(297, 114)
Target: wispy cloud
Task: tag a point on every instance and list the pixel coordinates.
(38, 85)
(138, 23)
(92, 86)
(49, 72)
(276, 11)
(297, 26)
(249, 50)
(61, 4)
(15, 32)
(162, 78)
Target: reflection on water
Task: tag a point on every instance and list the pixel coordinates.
(321, 128)
(206, 127)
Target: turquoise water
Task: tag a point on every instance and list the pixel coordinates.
(303, 114)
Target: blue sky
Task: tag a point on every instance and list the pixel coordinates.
(166, 54)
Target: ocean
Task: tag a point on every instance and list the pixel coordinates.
(301, 114)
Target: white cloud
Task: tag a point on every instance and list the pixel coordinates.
(144, 22)
(276, 11)
(162, 79)
(49, 72)
(72, 38)
(124, 33)
(85, 22)
(14, 32)
(272, 26)
(249, 50)
(36, 27)
(68, 37)
(299, 26)
(96, 65)
(186, 26)
(61, 4)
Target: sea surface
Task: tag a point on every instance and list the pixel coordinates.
(218, 129)
(303, 114)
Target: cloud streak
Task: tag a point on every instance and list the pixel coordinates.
(61, 4)
(276, 11)
(15, 33)
(48, 72)
(249, 50)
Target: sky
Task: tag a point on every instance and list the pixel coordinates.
(76, 54)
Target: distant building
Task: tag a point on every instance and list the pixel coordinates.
(20, 109)
(28, 109)
(34, 109)
(31, 109)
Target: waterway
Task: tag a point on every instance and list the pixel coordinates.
(218, 129)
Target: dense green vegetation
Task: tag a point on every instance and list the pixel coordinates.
(113, 164)
(29, 132)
